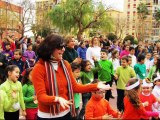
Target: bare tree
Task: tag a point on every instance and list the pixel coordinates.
(26, 20)
(120, 27)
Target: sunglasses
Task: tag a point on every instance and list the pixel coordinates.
(60, 47)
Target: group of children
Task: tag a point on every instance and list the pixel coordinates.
(15, 97)
(138, 96)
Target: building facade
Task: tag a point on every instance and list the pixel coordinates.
(150, 30)
(10, 15)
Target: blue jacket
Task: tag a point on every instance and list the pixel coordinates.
(82, 52)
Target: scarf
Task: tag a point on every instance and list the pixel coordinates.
(53, 88)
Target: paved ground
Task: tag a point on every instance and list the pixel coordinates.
(113, 102)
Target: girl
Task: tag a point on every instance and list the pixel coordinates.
(115, 59)
(29, 95)
(146, 97)
(13, 89)
(155, 68)
(133, 107)
(4, 103)
(30, 55)
(87, 76)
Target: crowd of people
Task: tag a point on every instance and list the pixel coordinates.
(45, 79)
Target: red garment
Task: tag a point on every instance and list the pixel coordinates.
(124, 53)
(41, 85)
(151, 99)
(13, 46)
(131, 112)
(31, 113)
(96, 108)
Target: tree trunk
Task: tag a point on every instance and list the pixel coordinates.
(79, 35)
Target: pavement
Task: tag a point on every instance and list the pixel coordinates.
(113, 102)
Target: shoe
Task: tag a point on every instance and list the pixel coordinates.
(112, 97)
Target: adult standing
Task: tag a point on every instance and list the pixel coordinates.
(94, 50)
(70, 54)
(54, 82)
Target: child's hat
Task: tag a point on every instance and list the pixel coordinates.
(157, 78)
(145, 84)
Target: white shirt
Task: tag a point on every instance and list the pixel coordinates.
(148, 64)
(134, 60)
(156, 93)
(93, 51)
(115, 63)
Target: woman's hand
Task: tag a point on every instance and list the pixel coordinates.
(64, 103)
(102, 86)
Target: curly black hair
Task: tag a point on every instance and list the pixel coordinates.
(47, 47)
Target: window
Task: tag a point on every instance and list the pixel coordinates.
(134, 13)
(128, 5)
(134, 5)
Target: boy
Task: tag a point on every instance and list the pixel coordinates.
(76, 69)
(106, 72)
(122, 75)
(98, 107)
(140, 67)
(131, 53)
(19, 61)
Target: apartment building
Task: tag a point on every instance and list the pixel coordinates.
(10, 15)
(151, 29)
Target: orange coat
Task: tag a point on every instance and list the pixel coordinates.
(41, 85)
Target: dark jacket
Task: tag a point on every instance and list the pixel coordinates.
(70, 54)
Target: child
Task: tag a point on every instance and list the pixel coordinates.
(133, 107)
(30, 98)
(146, 97)
(148, 61)
(19, 61)
(123, 74)
(115, 59)
(131, 53)
(13, 89)
(87, 76)
(156, 92)
(7, 52)
(4, 104)
(106, 72)
(129, 61)
(98, 107)
(140, 67)
(30, 55)
(76, 69)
